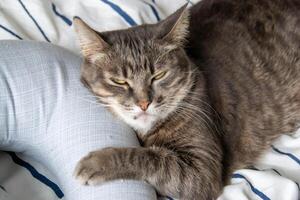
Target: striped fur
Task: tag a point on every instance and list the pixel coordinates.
(227, 95)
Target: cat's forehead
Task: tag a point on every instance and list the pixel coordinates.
(134, 62)
(134, 51)
(135, 44)
(135, 47)
(135, 40)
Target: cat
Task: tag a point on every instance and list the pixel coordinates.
(208, 89)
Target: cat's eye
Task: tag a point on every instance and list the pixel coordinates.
(119, 81)
(159, 75)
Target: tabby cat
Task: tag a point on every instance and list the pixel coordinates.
(207, 90)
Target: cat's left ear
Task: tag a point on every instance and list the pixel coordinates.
(174, 29)
(93, 47)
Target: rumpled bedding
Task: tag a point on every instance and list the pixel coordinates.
(275, 177)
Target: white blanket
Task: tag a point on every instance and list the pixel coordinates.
(275, 177)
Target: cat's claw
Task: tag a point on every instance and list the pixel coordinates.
(94, 168)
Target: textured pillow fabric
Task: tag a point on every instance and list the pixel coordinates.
(46, 114)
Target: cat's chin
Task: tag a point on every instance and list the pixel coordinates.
(144, 124)
(141, 122)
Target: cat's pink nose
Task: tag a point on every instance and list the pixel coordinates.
(144, 104)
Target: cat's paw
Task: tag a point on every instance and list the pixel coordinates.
(95, 168)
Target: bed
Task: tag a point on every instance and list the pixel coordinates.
(275, 177)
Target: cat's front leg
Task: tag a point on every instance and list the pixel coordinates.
(146, 164)
(160, 167)
(120, 163)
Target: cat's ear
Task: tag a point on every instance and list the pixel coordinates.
(174, 29)
(93, 47)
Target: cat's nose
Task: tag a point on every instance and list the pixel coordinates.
(144, 104)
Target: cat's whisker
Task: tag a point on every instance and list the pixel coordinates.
(192, 114)
(205, 114)
(185, 109)
(197, 110)
(203, 103)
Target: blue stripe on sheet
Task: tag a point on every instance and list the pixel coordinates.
(298, 186)
(153, 1)
(255, 190)
(121, 12)
(274, 170)
(64, 18)
(11, 32)
(36, 174)
(293, 157)
(153, 10)
(3, 188)
(278, 173)
(35, 22)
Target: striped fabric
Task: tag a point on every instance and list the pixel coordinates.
(51, 21)
(275, 177)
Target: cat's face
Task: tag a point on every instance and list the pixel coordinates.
(140, 75)
(141, 89)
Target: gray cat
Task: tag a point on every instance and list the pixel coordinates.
(207, 90)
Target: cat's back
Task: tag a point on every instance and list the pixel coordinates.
(248, 41)
(236, 29)
(250, 53)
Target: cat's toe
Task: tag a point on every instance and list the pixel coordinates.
(87, 173)
(83, 176)
(89, 176)
(94, 168)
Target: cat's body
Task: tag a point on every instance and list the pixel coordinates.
(236, 89)
(249, 52)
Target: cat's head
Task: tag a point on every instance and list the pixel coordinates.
(141, 73)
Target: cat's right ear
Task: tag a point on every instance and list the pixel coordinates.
(92, 46)
(174, 29)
